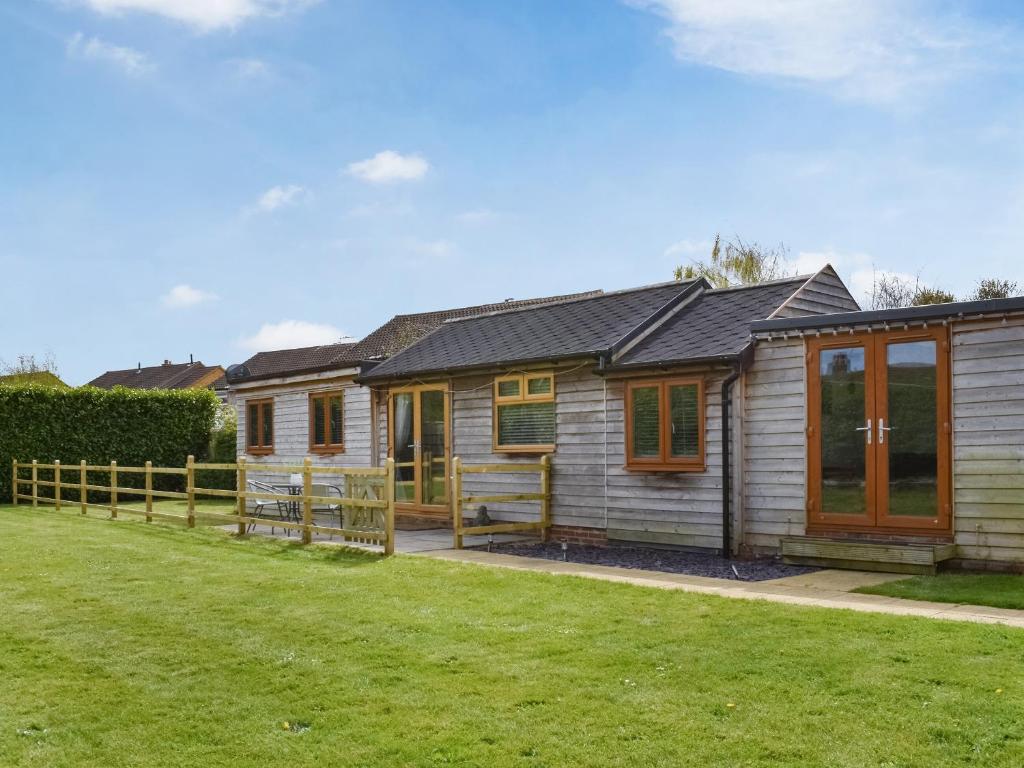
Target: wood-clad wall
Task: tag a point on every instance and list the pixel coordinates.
(988, 439)
(824, 294)
(291, 426)
(774, 444)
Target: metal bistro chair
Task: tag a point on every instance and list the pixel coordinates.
(322, 489)
(260, 504)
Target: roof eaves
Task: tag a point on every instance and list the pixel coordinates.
(959, 310)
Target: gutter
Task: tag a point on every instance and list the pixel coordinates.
(743, 362)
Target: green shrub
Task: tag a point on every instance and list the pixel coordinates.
(222, 449)
(129, 426)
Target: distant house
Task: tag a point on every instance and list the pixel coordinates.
(191, 375)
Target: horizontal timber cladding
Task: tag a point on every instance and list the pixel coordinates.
(577, 476)
(774, 444)
(822, 294)
(291, 428)
(988, 439)
(676, 508)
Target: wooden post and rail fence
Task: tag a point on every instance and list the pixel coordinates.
(370, 495)
(540, 526)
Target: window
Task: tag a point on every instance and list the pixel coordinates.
(665, 425)
(259, 426)
(524, 413)
(326, 422)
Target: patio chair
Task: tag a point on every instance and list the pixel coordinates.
(322, 489)
(256, 487)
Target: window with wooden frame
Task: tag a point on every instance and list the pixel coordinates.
(665, 425)
(259, 426)
(524, 413)
(327, 422)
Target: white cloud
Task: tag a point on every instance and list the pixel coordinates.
(128, 60)
(250, 69)
(389, 166)
(279, 197)
(205, 15)
(477, 216)
(874, 50)
(289, 334)
(690, 248)
(185, 296)
(435, 248)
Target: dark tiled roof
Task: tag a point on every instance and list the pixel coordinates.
(574, 328)
(715, 324)
(166, 376)
(283, 362)
(395, 335)
(402, 331)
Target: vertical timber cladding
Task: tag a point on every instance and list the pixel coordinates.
(775, 444)
(988, 439)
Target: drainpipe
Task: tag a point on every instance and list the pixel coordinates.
(726, 473)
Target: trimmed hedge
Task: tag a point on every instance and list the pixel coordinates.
(129, 426)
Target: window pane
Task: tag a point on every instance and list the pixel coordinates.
(646, 422)
(508, 388)
(913, 437)
(268, 424)
(252, 426)
(337, 436)
(685, 424)
(843, 457)
(539, 386)
(526, 424)
(318, 421)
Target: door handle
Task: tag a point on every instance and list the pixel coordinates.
(882, 429)
(866, 428)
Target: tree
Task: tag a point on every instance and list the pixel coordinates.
(893, 291)
(994, 288)
(738, 263)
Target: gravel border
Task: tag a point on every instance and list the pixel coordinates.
(648, 559)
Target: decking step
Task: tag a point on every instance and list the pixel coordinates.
(894, 557)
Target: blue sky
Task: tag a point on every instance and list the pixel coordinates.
(210, 178)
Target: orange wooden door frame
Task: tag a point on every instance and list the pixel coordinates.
(417, 504)
(876, 406)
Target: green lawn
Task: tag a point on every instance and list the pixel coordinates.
(126, 644)
(998, 590)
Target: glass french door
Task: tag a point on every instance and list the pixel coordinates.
(418, 442)
(879, 432)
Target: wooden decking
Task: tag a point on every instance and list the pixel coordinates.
(888, 556)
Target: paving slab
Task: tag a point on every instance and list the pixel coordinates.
(823, 592)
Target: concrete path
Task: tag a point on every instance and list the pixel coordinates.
(822, 589)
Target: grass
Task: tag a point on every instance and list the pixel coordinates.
(126, 644)
(996, 590)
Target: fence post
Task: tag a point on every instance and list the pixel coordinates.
(113, 490)
(389, 510)
(149, 491)
(240, 487)
(190, 490)
(81, 485)
(14, 482)
(457, 501)
(35, 482)
(56, 484)
(545, 503)
(307, 503)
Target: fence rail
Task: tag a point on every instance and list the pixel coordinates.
(370, 520)
(540, 525)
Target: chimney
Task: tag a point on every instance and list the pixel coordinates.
(139, 370)
(190, 360)
(168, 362)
